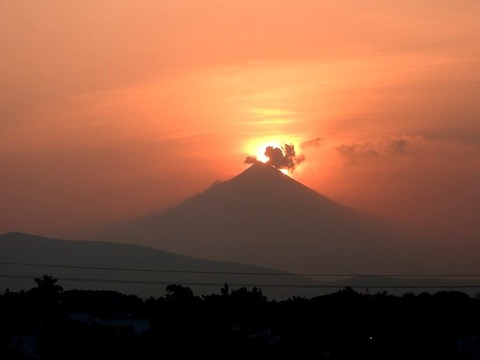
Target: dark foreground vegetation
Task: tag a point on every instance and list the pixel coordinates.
(49, 323)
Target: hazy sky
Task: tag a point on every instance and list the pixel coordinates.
(112, 109)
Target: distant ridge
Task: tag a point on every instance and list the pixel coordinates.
(99, 264)
(263, 217)
(145, 272)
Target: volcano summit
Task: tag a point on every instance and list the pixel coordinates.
(263, 217)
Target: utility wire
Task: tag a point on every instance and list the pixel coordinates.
(259, 285)
(237, 273)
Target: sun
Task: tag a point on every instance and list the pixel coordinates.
(257, 148)
(260, 154)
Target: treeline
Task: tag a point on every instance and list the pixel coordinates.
(237, 323)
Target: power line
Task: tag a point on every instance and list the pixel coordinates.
(237, 273)
(259, 285)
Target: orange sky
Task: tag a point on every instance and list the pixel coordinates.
(110, 110)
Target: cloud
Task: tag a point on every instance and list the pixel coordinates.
(312, 143)
(386, 147)
(283, 157)
(399, 145)
(356, 152)
(418, 179)
(250, 160)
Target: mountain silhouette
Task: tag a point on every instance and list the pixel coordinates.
(263, 217)
(133, 269)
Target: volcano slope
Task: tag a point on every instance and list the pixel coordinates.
(263, 217)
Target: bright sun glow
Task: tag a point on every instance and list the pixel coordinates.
(260, 154)
(257, 148)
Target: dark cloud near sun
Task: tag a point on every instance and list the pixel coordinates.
(250, 160)
(284, 157)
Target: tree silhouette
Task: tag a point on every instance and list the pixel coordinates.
(45, 306)
(225, 290)
(47, 290)
(340, 325)
(179, 293)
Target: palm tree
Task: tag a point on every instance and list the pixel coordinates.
(47, 289)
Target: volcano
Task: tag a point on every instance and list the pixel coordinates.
(263, 217)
